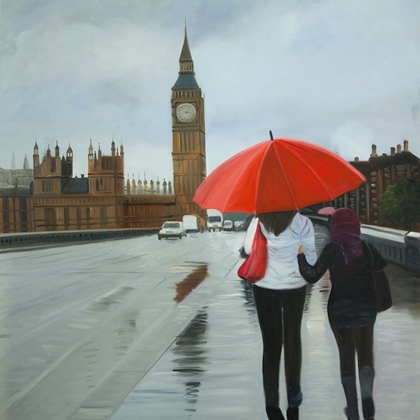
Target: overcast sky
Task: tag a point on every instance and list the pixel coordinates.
(342, 74)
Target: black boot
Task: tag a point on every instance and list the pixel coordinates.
(366, 377)
(274, 413)
(293, 413)
(349, 386)
(368, 408)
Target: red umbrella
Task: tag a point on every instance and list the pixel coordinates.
(277, 175)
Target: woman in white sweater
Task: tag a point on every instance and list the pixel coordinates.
(279, 300)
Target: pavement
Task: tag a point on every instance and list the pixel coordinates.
(133, 330)
(213, 369)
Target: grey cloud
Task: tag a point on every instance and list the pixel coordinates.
(113, 92)
(323, 71)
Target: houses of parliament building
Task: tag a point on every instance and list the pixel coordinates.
(57, 201)
(54, 200)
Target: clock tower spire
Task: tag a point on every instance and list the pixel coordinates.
(186, 64)
(188, 135)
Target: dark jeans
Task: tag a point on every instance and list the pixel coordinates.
(350, 341)
(280, 317)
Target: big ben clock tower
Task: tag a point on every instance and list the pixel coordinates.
(188, 135)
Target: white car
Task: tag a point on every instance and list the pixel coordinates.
(171, 230)
(228, 225)
(238, 225)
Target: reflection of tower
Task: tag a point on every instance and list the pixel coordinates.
(188, 134)
(190, 346)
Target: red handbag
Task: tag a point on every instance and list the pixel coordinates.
(253, 268)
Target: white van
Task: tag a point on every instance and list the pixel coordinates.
(191, 223)
(215, 222)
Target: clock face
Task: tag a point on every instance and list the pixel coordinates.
(185, 112)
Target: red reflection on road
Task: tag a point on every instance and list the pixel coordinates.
(185, 286)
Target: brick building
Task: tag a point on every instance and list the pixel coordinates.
(103, 200)
(380, 171)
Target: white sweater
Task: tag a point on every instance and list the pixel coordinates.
(282, 266)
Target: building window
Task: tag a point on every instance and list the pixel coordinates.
(104, 218)
(78, 218)
(6, 220)
(66, 218)
(88, 217)
(50, 219)
(23, 210)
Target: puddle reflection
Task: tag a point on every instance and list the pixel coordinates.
(193, 360)
(249, 303)
(189, 283)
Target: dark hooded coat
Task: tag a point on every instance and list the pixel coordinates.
(352, 300)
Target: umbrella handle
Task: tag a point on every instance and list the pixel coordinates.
(271, 136)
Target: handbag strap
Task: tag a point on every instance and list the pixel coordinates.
(258, 233)
(371, 257)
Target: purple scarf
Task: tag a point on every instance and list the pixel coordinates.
(345, 231)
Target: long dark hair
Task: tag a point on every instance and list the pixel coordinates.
(276, 222)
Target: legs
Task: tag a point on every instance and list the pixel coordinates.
(280, 317)
(363, 338)
(346, 349)
(350, 340)
(270, 319)
(292, 319)
(274, 413)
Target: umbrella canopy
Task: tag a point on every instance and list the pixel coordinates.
(277, 175)
(326, 211)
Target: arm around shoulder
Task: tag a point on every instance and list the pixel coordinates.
(312, 273)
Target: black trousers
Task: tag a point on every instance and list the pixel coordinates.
(280, 317)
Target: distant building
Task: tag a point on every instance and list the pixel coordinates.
(15, 198)
(56, 200)
(10, 178)
(380, 171)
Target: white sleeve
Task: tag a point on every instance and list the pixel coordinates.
(307, 238)
(249, 235)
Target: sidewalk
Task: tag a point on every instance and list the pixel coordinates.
(213, 370)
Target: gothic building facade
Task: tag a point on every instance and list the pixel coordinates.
(102, 200)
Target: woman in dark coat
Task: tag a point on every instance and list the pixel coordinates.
(351, 304)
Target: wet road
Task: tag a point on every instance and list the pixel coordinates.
(98, 331)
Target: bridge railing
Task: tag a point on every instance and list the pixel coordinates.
(8, 240)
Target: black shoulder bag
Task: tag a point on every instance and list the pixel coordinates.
(383, 290)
